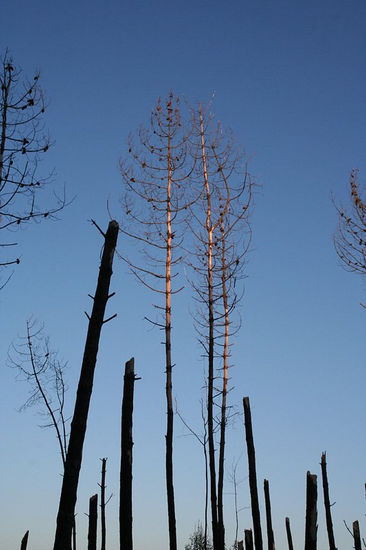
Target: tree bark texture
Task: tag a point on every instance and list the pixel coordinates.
(93, 520)
(356, 535)
(311, 512)
(258, 541)
(270, 536)
(65, 516)
(125, 498)
(328, 515)
(289, 535)
(23, 545)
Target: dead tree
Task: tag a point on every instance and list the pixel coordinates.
(252, 476)
(23, 141)
(93, 522)
(103, 505)
(154, 205)
(289, 534)
(248, 538)
(311, 512)
(327, 505)
(125, 501)
(270, 536)
(24, 543)
(217, 218)
(356, 535)
(66, 510)
(350, 239)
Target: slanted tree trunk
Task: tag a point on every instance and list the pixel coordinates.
(289, 535)
(258, 541)
(93, 520)
(66, 510)
(356, 535)
(102, 506)
(270, 537)
(311, 512)
(125, 502)
(248, 538)
(23, 545)
(328, 515)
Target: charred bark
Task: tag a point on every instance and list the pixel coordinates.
(289, 535)
(65, 516)
(270, 536)
(328, 514)
(93, 520)
(23, 545)
(311, 512)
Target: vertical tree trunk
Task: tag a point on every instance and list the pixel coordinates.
(311, 512)
(270, 537)
(248, 538)
(356, 535)
(328, 515)
(252, 476)
(74, 533)
(240, 545)
(93, 520)
(66, 510)
(289, 535)
(23, 545)
(102, 506)
(125, 500)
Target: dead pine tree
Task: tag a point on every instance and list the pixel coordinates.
(267, 500)
(125, 500)
(327, 505)
(93, 522)
(103, 503)
(155, 178)
(219, 239)
(258, 541)
(311, 526)
(23, 141)
(356, 535)
(66, 510)
(248, 538)
(350, 239)
(24, 543)
(289, 534)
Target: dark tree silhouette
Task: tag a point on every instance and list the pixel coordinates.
(66, 510)
(22, 142)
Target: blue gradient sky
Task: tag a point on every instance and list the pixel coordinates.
(289, 78)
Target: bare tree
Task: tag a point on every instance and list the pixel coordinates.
(40, 367)
(23, 140)
(220, 236)
(66, 510)
(154, 204)
(350, 239)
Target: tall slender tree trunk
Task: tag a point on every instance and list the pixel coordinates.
(93, 522)
(289, 535)
(210, 388)
(66, 511)
(102, 505)
(125, 500)
(270, 536)
(248, 538)
(225, 377)
(311, 512)
(258, 541)
(328, 514)
(168, 354)
(356, 535)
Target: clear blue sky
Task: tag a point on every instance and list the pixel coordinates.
(289, 78)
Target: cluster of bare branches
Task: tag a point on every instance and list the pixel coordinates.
(23, 140)
(350, 240)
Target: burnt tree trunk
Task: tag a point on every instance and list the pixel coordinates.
(23, 544)
(102, 506)
(270, 537)
(328, 515)
(311, 512)
(356, 535)
(93, 519)
(66, 510)
(125, 497)
(289, 535)
(258, 541)
(248, 538)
